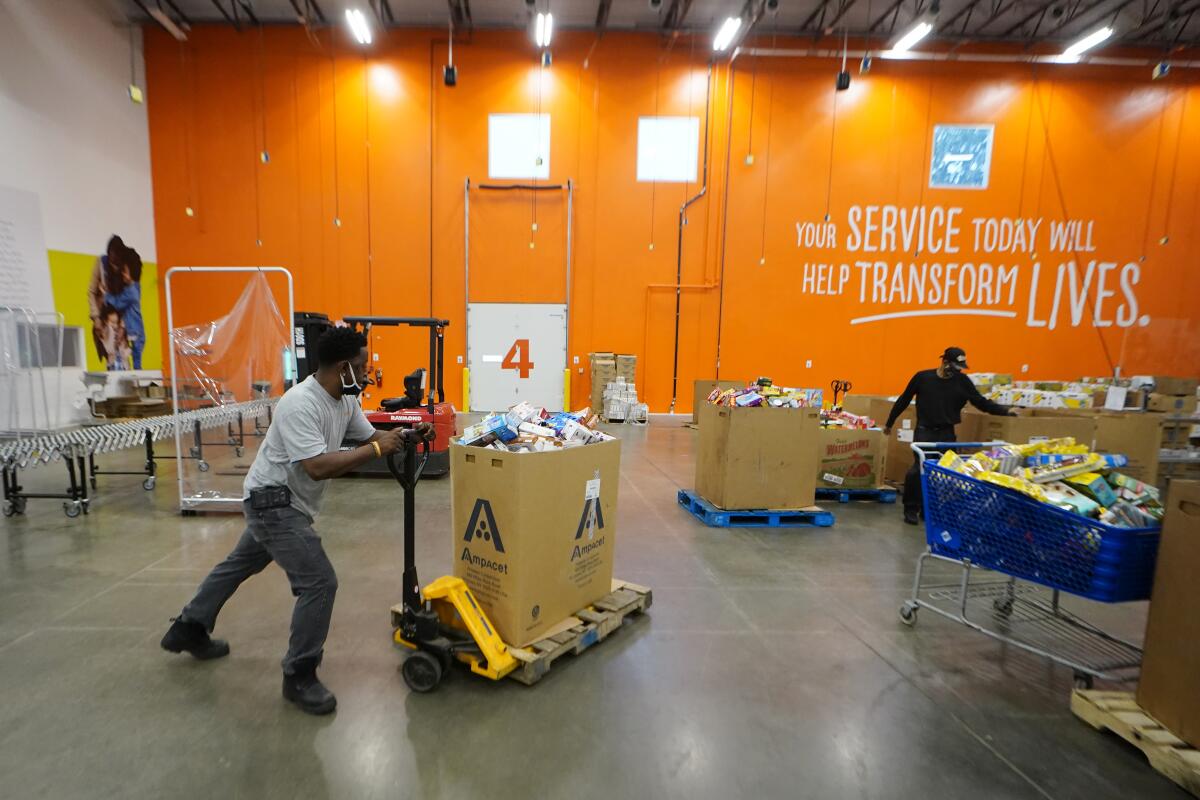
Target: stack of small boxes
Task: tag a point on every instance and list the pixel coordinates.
(608, 372)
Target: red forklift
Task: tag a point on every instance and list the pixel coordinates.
(417, 404)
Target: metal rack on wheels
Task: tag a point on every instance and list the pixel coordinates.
(1032, 553)
(78, 449)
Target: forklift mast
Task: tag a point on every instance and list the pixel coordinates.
(437, 346)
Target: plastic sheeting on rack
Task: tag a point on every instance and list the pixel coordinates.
(237, 357)
(100, 439)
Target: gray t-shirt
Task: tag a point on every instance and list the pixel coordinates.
(307, 422)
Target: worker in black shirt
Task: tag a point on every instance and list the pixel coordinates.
(941, 394)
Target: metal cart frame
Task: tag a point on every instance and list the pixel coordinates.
(1021, 613)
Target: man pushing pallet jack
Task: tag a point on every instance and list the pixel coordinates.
(283, 493)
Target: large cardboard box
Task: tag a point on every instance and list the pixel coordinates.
(1166, 384)
(1169, 687)
(752, 458)
(627, 368)
(1136, 435)
(1045, 423)
(850, 459)
(703, 388)
(1184, 405)
(534, 533)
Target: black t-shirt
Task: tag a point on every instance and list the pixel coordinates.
(940, 400)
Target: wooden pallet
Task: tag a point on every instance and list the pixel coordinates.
(1119, 712)
(593, 624)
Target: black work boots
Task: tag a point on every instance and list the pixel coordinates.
(305, 689)
(191, 637)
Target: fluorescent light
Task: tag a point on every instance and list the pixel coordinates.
(729, 29)
(915, 34)
(543, 29)
(358, 25)
(1072, 53)
(168, 24)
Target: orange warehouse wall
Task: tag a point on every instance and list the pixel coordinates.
(362, 199)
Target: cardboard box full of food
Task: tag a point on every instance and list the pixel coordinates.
(850, 459)
(757, 458)
(534, 533)
(703, 388)
(1166, 384)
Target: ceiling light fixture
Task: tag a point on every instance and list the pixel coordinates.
(915, 34)
(543, 29)
(358, 25)
(1072, 53)
(724, 37)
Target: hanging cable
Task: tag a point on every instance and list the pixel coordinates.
(1166, 236)
(367, 183)
(1162, 113)
(186, 74)
(1062, 202)
(337, 200)
(762, 247)
(654, 182)
(1025, 162)
(750, 128)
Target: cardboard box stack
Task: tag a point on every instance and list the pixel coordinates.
(621, 403)
(607, 367)
(535, 529)
(1167, 689)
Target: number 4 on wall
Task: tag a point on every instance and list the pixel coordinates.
(518, 358)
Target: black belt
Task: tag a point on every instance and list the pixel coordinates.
(268, 497)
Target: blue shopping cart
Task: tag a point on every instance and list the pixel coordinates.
(1041, 552)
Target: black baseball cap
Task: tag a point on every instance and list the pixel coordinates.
(956, 356)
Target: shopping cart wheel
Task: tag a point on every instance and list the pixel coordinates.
(239, 451)
(202, 465)
(422, 672)
(148, 484)
(72, 509)
(1003, 607)
(908, 613)
(1083, 680)
(9, 509)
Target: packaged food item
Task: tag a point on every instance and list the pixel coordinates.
(1057, 472)
(1013, 482)
(526, 428)
(1094, 486)
(1065, 496)
(952, 461)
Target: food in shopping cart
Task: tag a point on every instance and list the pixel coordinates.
(525, 428)
(1018, 484)
(1064, 474)
(1066, 496)
(1067, 469)
(1094, 486)
(767, 395)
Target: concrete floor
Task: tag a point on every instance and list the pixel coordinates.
(771, 665)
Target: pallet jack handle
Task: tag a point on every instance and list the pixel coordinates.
(407, 477)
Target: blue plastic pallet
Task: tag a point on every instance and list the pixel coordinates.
(846, 495)
(715, 517)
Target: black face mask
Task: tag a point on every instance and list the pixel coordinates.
(352, 389)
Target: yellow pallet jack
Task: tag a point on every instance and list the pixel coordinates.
(444, 623)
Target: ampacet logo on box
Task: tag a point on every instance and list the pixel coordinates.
(590, 521)
(482, 525)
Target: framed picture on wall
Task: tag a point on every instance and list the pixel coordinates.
(962, 156)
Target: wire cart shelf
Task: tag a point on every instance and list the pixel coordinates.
(1011, 581)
